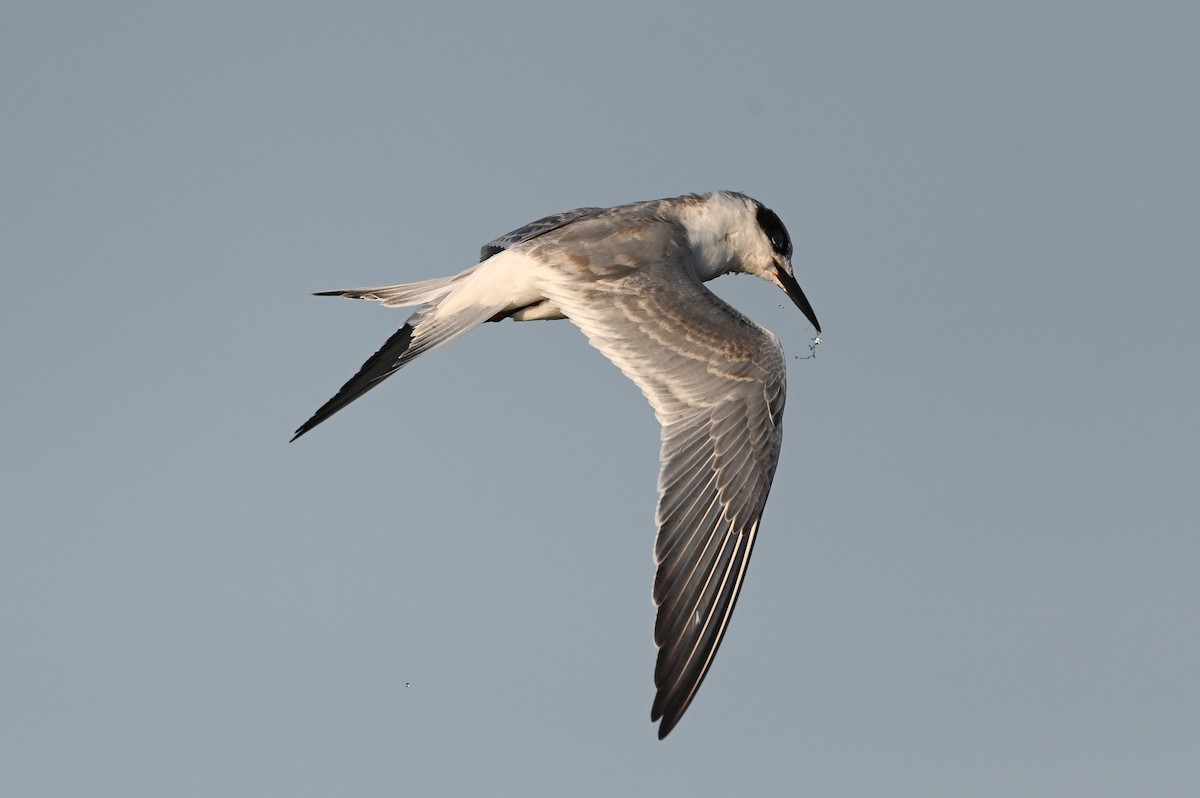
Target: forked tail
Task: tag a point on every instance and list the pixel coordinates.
(402, 295)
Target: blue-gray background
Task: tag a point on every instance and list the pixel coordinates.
(978, 568)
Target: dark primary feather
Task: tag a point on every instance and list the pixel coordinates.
(391, 356)
(422, 332)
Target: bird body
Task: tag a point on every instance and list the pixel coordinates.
(631, 278)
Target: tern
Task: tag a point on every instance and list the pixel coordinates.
(631, 277)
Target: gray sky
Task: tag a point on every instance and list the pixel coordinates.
(978, 569)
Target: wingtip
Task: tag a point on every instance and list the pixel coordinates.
(307, 426)
(667, 724)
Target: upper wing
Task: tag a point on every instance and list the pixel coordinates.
(533, 230)
(425, 330)
(716, 381)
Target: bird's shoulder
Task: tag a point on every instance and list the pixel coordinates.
(534, 229)
(648, 224)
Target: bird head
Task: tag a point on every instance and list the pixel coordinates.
(731, 232)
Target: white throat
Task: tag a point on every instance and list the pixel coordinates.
(712, 227)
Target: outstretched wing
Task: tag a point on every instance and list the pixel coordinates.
(717, 383)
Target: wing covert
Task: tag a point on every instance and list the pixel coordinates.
(533, 230)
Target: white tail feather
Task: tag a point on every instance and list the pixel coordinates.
(403, 295)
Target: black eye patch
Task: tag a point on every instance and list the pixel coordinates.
(781, 242)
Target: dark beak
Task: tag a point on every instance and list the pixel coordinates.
(792, 288)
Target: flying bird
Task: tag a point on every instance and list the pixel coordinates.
(631, 277)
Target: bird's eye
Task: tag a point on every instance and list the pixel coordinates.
(775, 232)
